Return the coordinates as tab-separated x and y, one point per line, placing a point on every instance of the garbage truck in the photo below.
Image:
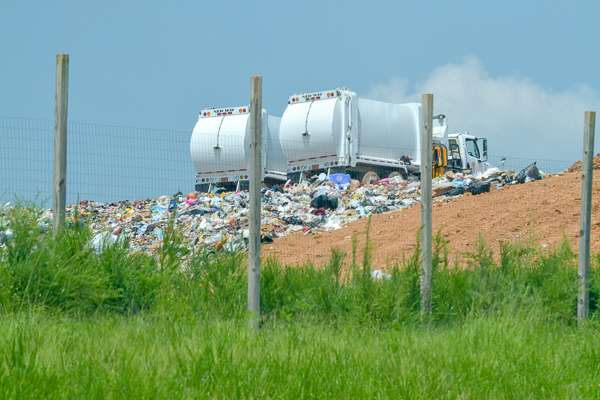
336	130
340	131
220	146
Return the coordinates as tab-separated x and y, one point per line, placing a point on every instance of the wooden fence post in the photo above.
255	200
59	188
426	200
583	298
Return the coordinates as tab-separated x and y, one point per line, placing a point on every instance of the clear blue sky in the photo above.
156	64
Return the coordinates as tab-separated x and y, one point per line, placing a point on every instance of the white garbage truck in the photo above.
336	130
220	146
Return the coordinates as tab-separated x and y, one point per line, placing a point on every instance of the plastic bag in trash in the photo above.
455	191
5	236
326	201
102	240
342	181
479	187
332	223
379	275
531	171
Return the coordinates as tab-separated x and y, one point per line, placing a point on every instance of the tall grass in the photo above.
81	323
141	357
64	273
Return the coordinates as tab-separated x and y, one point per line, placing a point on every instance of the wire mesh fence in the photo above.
519	163
122	166
104	163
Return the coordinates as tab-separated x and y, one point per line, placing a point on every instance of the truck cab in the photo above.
467	152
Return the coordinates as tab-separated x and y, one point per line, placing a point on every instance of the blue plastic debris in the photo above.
342	181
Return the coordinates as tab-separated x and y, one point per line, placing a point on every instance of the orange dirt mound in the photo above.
543	212
577	166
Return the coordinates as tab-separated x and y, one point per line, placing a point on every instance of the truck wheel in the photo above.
369	178
394	174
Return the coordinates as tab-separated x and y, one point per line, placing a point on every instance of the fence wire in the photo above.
111	164
104	163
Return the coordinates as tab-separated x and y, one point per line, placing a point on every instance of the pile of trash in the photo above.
219	220
455	184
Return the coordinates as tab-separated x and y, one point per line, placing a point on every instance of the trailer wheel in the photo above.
369	177
394	174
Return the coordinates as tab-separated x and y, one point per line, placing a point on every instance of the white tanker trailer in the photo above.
333	131
336	130
220	148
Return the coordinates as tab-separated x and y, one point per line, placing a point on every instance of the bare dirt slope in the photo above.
543	212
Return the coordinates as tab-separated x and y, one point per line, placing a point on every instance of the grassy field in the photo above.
79	324
148	357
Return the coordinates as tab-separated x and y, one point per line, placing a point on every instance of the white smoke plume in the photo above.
519	117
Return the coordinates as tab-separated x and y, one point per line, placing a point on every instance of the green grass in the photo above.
143	357
77	324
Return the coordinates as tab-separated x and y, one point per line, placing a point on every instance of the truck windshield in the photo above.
472	148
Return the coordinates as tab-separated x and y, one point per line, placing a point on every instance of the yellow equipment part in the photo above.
440	160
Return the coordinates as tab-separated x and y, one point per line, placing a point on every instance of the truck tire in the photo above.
394	174
369	177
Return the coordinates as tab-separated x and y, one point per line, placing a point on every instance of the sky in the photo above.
519	72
